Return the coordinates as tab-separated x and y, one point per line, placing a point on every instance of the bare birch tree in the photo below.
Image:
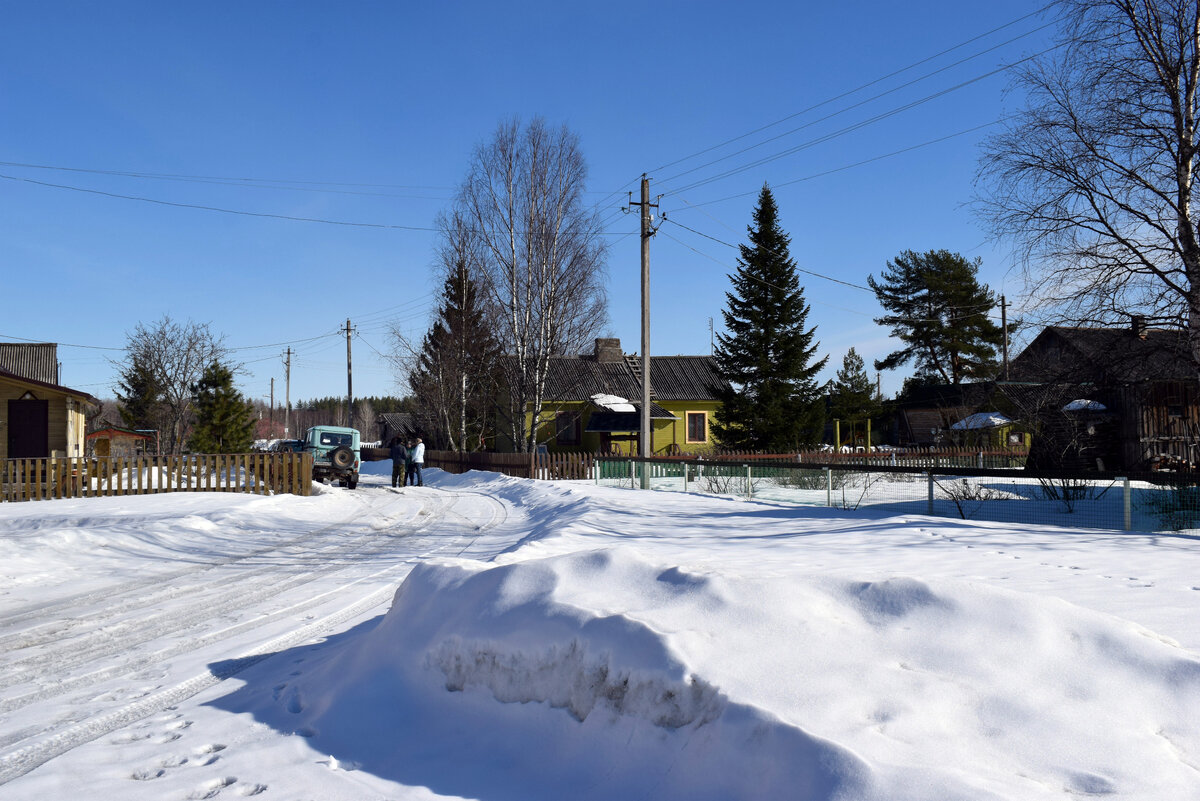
1094	178
538	253
172	357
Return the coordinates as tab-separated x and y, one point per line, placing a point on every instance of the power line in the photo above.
798	269
217	178
852	106
844	167
861	87
856	126
223	210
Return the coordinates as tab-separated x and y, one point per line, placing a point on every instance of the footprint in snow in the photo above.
211	789
247	790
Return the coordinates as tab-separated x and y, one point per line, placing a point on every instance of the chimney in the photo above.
608	350
1138	323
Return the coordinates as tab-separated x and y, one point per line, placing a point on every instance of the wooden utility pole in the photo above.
647	232
287	392
272	418
349	381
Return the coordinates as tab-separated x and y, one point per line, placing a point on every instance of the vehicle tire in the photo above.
341	457
352	481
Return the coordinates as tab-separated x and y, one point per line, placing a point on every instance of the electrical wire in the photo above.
857	89
857	125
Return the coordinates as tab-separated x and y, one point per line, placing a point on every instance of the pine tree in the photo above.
224	420
851	396
772	402
939	310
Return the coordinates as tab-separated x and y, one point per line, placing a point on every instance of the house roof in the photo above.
672	378
36	360
1105	355
20	379
123	432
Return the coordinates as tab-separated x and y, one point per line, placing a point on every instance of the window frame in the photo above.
687	422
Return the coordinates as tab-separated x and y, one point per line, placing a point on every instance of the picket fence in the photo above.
259	473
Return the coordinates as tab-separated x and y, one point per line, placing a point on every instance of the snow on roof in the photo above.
1085	405
981	420
613	403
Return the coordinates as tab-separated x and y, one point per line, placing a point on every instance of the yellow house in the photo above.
38	417
593	403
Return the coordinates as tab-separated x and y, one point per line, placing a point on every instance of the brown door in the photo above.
28	429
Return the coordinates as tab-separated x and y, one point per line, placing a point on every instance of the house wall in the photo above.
66	418
1162	420
668	436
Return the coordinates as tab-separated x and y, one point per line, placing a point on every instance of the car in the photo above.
335	452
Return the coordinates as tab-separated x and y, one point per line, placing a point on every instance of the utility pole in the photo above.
287	392
1004	325
272	418
647	232
712	346
349	381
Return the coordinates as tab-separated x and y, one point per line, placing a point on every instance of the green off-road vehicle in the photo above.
335	452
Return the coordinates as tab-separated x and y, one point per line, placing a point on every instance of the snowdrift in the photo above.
601	675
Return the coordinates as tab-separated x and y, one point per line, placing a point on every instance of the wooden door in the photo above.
28	429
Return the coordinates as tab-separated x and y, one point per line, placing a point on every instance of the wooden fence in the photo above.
548	466
260	473
579	466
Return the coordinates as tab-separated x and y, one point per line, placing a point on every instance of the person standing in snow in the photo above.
417	455
399	455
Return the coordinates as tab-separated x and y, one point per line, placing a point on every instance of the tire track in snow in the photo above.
72	733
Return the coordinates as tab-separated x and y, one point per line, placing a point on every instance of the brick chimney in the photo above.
1138	323
608	350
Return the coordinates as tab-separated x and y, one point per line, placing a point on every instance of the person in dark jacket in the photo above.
399	455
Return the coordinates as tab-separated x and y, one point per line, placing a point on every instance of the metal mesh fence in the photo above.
1151	502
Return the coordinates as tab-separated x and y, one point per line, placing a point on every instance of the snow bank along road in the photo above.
92	653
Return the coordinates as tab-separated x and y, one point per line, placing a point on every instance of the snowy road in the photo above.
94	660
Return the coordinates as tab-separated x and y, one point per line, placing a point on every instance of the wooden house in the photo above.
38	417
593	403
1109	398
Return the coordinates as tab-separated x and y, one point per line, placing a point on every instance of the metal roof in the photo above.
36	360
672	378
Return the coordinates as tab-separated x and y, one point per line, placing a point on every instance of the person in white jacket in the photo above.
416	455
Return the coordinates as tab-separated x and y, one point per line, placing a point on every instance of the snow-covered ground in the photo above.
496	639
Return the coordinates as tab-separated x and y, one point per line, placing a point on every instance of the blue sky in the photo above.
365	112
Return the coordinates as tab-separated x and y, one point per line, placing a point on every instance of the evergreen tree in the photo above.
851	396
939	310
454	374
773	401
224	420
141	397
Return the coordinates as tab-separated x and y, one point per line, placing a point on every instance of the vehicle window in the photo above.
328	438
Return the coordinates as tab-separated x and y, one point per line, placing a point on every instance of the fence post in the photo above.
829	487
1128	503
749	484
930	474
632	477
685	475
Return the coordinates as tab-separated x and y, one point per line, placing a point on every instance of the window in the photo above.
697	427
567	427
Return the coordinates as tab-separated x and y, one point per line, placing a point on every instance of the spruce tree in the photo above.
939	311
772	402
141	397
224	420
851	396
455	371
